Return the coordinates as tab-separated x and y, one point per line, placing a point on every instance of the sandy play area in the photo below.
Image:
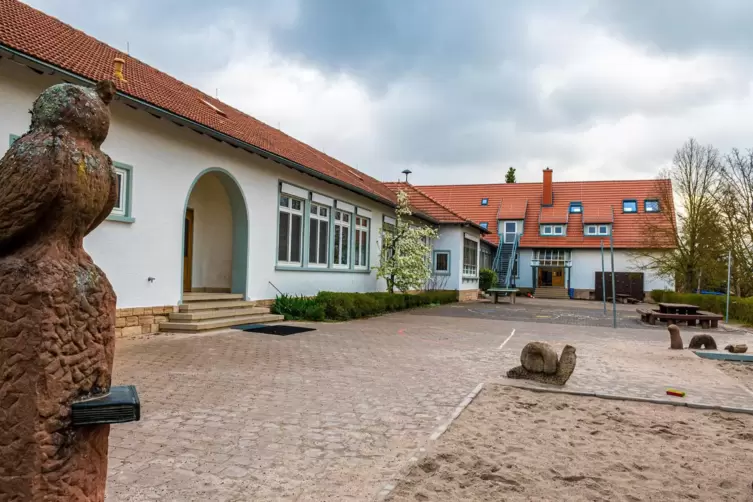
742	372
515	445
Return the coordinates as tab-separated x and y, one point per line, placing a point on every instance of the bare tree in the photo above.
695	228
736	210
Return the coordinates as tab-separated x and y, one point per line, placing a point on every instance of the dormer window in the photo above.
576	207
629	206
484	201
553	230
602	229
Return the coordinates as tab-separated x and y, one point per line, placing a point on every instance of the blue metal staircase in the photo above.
504	262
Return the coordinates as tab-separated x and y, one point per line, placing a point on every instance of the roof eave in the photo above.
16	54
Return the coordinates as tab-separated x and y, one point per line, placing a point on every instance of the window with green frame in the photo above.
123	209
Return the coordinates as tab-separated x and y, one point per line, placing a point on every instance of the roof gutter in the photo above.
14	54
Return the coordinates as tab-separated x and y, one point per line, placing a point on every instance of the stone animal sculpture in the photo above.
539	363
705	342
675	340
740	348
57	308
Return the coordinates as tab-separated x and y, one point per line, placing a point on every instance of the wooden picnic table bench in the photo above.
677	308
707	319
511	292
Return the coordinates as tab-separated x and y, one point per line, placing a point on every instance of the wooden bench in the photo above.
707	319
511	292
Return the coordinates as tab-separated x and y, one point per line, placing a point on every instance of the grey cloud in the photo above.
453	82
680	26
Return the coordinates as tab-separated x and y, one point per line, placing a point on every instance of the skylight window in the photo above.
576	207
484	225
484	202
629	206
651	206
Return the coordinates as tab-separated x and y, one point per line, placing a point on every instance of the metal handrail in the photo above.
511	261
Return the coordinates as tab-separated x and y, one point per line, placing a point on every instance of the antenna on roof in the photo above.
406	172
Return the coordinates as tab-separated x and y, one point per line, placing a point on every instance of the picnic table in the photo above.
511	292
680	312
678	308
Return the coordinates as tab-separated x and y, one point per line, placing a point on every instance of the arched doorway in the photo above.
215	235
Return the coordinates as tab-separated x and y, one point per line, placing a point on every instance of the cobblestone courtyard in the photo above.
334	414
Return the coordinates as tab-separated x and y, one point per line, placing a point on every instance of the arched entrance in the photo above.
215	235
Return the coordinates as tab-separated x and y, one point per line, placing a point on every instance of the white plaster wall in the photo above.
587	261
166	159
525	274
451	239
465	282
213	234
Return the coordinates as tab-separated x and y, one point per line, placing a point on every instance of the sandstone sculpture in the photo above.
539	363
705	342
675	340
57	308
739	348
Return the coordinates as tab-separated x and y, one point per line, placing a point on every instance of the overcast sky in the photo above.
459	90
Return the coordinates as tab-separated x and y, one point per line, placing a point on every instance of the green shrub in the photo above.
345	306
294	307
487	279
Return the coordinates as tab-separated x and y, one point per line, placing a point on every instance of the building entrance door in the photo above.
551	276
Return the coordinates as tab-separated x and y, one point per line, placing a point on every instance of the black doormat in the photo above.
275	329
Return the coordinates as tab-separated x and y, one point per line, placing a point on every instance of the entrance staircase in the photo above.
504	262
552	292
208	311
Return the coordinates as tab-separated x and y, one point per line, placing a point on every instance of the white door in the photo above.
511	230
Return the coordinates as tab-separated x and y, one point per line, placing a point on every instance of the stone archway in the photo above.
215	235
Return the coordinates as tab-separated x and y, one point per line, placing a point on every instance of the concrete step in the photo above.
200	315
553	293
202	297
214	305
224	322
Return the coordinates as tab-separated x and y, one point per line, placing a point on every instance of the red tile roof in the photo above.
425	204
553	214
512	209
42	37
597	198
599	214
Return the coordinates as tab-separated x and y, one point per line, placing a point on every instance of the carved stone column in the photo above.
57	308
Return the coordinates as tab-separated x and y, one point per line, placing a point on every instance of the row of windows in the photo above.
628	206
559	230
470	260
124	174
345	233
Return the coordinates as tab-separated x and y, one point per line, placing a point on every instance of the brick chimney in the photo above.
547	197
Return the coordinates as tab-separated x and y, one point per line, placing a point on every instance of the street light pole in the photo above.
729	274
603	279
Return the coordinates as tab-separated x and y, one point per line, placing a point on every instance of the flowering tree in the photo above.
405	250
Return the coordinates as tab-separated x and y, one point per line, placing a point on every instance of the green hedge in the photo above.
344	306
740	309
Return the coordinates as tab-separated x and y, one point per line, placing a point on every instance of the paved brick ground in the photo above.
333	414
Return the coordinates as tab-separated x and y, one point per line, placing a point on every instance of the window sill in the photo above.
284	268
470	278
121	219
443	274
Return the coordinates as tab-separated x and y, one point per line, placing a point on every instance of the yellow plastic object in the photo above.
675	392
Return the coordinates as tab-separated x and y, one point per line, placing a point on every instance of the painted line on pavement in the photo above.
506	340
